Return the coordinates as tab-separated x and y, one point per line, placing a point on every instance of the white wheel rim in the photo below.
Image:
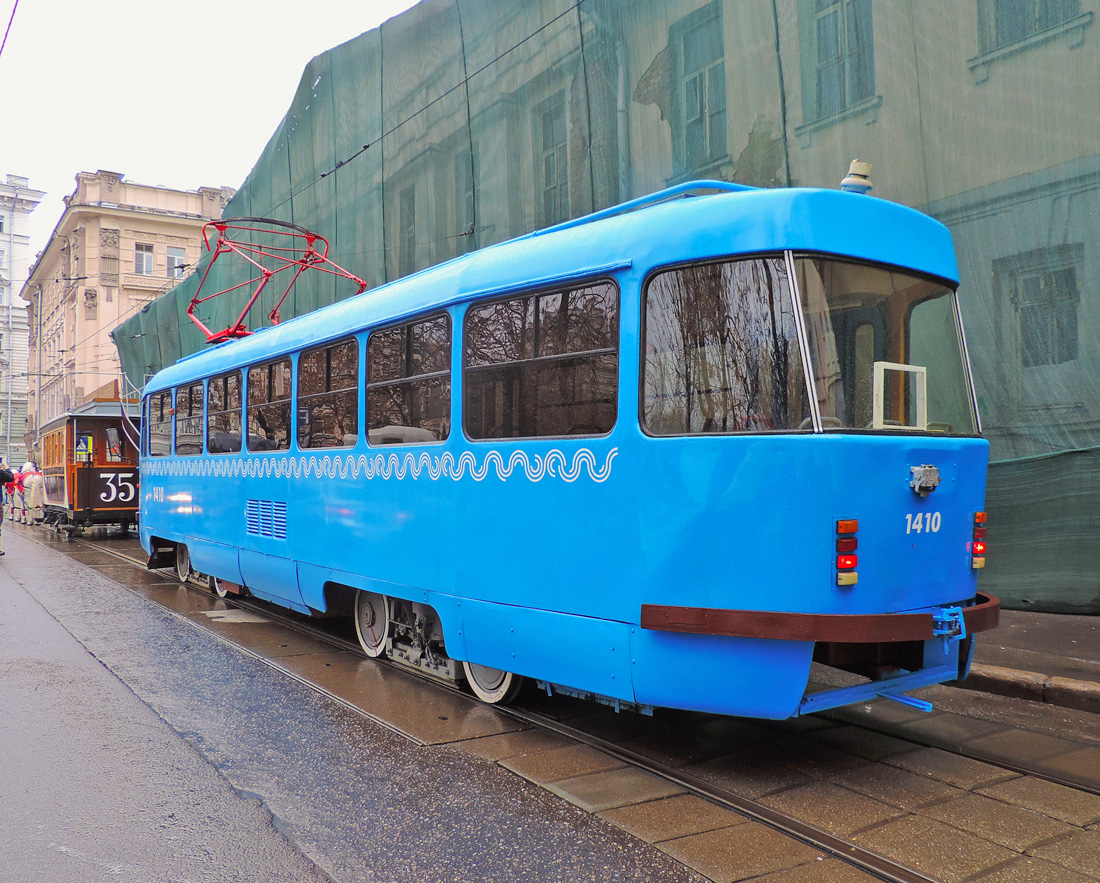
183	563
491	684
372	622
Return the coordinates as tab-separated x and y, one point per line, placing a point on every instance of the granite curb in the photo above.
1037	687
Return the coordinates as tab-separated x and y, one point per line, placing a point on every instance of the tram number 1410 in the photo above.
117	487
922	522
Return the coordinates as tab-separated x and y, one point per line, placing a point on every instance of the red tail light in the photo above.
977	543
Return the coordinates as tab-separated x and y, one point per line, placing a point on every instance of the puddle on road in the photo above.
233	616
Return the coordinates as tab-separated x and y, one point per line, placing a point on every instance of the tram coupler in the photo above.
948	624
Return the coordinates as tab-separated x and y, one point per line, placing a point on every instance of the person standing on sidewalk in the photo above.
7	478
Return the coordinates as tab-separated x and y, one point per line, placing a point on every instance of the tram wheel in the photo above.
183	562
491	685
372	622
217	588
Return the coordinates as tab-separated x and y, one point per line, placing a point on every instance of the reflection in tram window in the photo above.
160	424
409	383
189	419
721	350
543	365
223	414
328	396
269	406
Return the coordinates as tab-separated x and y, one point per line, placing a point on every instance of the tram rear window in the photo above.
189	419
885	348
328	396
721	350
409	383
223	414
543	365
269	406
160	424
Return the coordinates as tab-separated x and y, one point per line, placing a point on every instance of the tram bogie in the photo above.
671	456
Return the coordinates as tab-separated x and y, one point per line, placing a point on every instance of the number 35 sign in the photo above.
116	487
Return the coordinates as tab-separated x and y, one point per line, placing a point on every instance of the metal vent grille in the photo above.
266	518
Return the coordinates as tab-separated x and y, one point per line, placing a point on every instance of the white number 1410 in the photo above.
921	522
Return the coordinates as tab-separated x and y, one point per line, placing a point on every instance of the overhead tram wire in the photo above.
7	30
464	81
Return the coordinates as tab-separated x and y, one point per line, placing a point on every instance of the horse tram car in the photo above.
89	461
682	453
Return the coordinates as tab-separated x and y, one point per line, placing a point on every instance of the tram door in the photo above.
862	338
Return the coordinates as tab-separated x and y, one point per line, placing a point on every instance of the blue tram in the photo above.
713	449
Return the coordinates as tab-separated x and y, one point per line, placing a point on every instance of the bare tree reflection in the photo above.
543	365
722	350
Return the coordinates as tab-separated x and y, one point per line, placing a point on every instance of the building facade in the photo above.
117	247
17	201
488	120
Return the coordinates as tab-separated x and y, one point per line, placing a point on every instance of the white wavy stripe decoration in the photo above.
536	467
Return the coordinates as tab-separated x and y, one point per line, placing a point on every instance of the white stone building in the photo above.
17	201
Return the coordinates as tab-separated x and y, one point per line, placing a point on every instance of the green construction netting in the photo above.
462	123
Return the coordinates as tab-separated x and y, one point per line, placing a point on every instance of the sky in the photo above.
180	94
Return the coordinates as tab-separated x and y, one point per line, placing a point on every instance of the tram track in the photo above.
844	849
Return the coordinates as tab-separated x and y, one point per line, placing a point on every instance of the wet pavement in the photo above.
382	776
140	748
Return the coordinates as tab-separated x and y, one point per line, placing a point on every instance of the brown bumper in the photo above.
846	628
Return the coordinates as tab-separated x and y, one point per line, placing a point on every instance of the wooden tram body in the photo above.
90	467
671	454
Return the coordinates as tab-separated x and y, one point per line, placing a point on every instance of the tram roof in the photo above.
745	221
99	408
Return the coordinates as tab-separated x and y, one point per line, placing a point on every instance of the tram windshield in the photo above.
885	349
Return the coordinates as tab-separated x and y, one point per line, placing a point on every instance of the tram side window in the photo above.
409	383
328	396
542	365
189	419
160	424
721	350
269	406
223	414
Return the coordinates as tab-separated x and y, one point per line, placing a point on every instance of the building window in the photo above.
1003	23
189	419
1042	287
269	406
409	383
328	396
143	259
687	81
223	414
177	260
703	89
844	65
543	365
552	160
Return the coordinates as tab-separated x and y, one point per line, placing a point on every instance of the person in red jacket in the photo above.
7	478
15	496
